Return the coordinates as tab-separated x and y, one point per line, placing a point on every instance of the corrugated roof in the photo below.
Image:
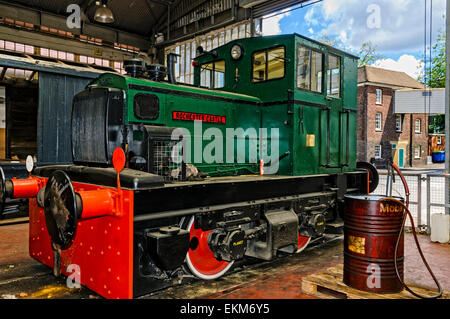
370	74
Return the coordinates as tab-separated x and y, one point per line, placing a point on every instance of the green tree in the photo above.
437	124
368	54
325	39
434	77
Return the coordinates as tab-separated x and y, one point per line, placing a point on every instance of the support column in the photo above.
447	112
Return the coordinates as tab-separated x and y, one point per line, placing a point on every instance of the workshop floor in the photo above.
22	277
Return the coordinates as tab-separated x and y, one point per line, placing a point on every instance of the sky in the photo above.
395	27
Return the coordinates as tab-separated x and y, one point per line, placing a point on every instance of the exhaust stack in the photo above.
171	60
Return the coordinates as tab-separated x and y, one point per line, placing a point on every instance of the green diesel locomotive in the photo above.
253	160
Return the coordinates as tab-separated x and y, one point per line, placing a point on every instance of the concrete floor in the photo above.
22	277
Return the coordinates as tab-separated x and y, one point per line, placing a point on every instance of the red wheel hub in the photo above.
200	259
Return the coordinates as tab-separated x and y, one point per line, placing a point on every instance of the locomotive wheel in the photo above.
200	259
303	242
2	192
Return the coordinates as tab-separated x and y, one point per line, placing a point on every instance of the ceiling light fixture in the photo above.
103	14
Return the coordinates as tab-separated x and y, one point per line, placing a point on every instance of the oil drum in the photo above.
371	229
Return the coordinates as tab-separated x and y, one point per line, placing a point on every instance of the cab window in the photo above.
334	75
212	75
268	64
309	69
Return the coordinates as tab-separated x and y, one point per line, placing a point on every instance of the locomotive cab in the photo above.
305	89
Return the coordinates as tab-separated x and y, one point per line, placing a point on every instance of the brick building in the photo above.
382	134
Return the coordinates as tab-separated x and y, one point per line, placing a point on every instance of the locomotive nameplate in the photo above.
208	118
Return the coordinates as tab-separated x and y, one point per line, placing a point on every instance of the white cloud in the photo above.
309	17
271	26
343	36
331	7
393	26
406	63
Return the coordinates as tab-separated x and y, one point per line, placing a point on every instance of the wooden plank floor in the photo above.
329	284
13	221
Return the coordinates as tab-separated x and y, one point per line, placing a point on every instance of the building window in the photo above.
417	150
379	96
269	64
309	69
377	151
418	126
398	123
378	121
183	66
333	75
439	140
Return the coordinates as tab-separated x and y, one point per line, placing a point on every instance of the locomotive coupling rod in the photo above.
256	232
318	207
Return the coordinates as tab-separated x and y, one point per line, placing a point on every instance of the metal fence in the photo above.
427	196
436	188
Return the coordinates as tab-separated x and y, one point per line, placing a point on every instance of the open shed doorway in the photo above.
19	102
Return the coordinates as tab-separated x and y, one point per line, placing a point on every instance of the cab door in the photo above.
308	110
333	121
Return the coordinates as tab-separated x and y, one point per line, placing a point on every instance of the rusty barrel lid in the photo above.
371	197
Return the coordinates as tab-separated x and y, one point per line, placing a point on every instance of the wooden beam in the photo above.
163	3
2	76
163	20
85	4
32	76
14	221
151	10
62	44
